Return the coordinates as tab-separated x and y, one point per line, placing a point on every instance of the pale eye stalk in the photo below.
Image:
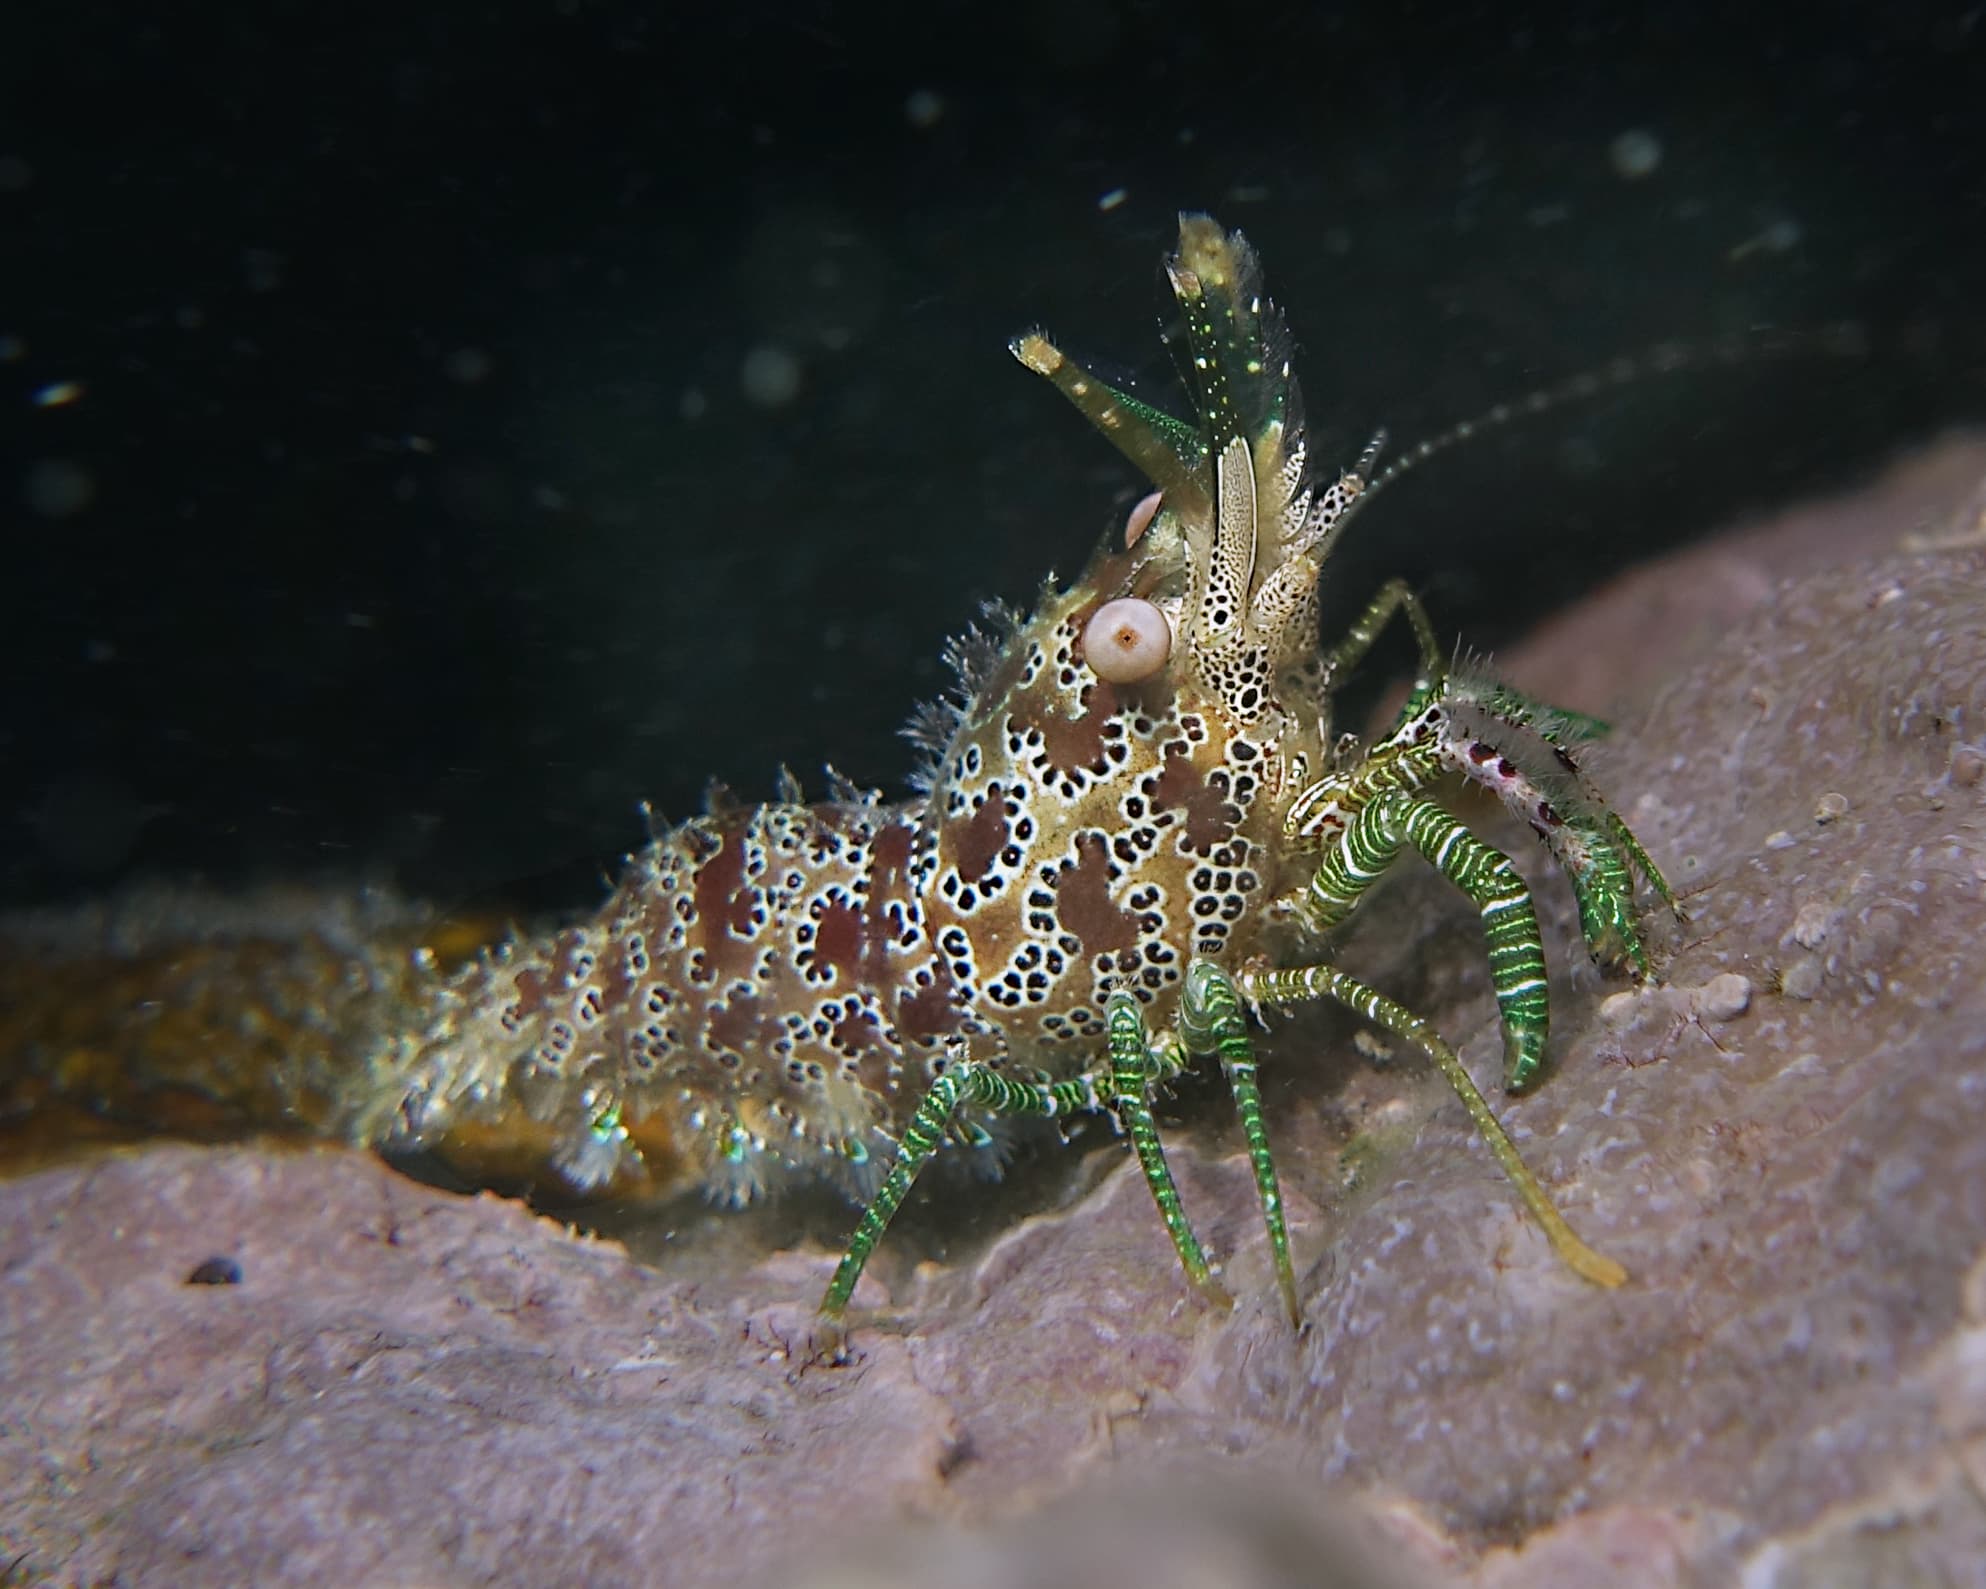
1140	518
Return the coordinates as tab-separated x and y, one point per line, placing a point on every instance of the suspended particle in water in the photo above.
1780	235
58	488
770	376
262	269
467	366
1635	154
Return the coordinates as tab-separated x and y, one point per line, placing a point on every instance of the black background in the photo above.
429	527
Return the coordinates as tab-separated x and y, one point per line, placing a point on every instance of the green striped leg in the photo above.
1560	725
1135	1065
1212	1020
1590	843
1396	595
1644	863
1604	887
1629	857
1372	842
1326	982
968	1084
1597	850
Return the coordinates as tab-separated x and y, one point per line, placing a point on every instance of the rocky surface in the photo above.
1785	1144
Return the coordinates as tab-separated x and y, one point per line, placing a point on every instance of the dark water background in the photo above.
493	416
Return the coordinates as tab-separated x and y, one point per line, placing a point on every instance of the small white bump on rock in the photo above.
1812	923
1617	1009
1724	997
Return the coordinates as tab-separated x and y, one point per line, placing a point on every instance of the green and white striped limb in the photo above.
1214	1020
1306	983
1123	1084
968	1084
1396	595
1136	1064
1372	841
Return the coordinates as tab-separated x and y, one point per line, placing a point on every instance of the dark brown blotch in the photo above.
926	1013
1183	787
839	931
975	842
1083	905
725	902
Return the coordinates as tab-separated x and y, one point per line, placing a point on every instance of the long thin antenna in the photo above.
1845	340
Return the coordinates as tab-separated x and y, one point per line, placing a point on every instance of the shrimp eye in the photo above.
1127	640
1140	519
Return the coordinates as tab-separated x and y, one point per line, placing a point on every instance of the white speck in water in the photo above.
1781	235
1635	154
1113	198
1579	459
468	366
924	109
58	488
262	269
770	376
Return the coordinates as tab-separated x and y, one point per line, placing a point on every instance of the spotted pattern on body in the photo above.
772	989
1109	863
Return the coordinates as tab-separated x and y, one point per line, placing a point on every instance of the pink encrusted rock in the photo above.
1799	1189
408	1386
1624	639
405	1387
